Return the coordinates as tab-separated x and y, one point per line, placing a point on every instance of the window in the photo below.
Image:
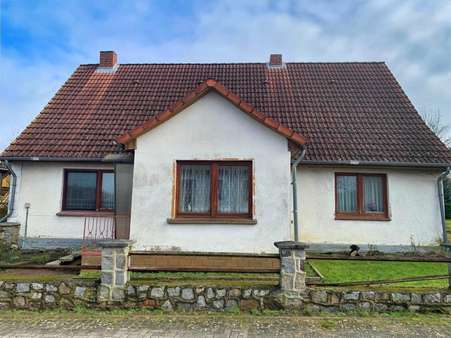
219	189
88	190
361	196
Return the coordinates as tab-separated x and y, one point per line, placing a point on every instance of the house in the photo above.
202	157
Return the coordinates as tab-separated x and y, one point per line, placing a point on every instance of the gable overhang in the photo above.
128	139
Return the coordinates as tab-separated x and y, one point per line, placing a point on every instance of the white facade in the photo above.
213	129
41	185
412	200
210	129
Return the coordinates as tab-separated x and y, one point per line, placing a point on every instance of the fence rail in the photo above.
418	259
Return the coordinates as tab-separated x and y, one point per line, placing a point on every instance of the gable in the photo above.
203	89
211	128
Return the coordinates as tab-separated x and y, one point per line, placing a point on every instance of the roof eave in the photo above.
355	163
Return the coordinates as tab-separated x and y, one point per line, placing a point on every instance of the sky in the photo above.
43	41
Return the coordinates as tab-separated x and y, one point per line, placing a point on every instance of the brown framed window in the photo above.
216	189
361	196
91	190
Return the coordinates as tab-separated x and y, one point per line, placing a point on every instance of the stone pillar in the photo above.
115	273
292	274
9	234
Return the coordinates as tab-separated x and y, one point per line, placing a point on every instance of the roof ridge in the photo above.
239	63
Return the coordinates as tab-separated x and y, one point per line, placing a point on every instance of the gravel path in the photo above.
131	325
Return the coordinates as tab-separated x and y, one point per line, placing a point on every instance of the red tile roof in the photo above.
346	111
195	95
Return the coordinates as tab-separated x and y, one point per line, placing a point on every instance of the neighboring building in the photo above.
198	157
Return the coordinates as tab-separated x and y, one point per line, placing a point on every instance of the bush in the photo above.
448	211
3	210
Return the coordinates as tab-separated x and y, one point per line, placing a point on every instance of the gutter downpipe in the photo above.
295	195
12	192
441	200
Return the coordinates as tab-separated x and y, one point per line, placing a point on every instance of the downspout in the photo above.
441	201
295	194
12	192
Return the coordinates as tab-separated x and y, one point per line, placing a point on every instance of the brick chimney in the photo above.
275	60
108	59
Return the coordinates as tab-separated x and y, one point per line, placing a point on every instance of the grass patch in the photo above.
37	277
16	256
205	278
352	271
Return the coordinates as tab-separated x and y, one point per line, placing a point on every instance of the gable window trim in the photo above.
98	210
360	213
213	215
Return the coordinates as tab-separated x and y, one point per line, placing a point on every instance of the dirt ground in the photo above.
27	324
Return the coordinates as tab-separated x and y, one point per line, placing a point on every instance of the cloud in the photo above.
46	40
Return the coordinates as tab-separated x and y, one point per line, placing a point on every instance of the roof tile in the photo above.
346	111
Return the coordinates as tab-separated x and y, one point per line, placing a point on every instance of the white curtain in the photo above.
347	193
195	188
373	200
233	189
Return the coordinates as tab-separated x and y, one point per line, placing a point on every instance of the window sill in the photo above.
187	220
80	213
362	218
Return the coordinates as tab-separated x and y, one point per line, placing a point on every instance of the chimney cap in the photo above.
107	61
275	60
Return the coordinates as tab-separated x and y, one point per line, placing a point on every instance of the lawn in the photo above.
351	271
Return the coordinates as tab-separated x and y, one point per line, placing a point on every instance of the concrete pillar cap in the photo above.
291	245
115	243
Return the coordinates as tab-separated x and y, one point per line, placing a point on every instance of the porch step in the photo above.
66	259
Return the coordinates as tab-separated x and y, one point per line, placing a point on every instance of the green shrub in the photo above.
448	210
3	210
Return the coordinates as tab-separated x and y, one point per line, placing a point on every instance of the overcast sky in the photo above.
42	42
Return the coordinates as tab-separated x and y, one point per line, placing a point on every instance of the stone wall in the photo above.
68	294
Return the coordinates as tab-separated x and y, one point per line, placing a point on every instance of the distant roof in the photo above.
347	111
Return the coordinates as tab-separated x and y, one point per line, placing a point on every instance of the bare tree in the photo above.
435	122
